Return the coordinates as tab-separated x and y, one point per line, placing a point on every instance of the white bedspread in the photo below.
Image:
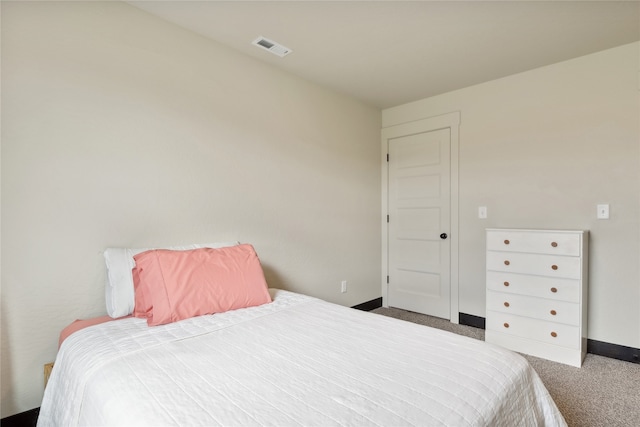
296	361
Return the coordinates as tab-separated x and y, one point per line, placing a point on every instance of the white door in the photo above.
419	194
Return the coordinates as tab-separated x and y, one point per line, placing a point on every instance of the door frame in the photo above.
451	121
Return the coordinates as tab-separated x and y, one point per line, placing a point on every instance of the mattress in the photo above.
298	361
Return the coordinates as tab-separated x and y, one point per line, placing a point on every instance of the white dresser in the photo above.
537	292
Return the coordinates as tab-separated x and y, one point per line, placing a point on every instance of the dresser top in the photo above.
537	230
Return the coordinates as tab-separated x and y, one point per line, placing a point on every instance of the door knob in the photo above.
443	236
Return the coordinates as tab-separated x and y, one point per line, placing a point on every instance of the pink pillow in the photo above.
142	300
177	285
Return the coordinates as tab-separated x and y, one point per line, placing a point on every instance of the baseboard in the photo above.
471	320
599	348
614	351
23	419
369	305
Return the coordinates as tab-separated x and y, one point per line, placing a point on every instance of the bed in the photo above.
295	361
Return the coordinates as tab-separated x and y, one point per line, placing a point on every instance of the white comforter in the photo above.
296	361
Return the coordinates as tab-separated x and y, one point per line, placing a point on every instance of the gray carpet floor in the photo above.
604	392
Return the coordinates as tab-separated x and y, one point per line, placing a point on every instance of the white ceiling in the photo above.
387	53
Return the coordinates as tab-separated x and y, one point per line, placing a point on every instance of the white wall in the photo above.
120	129
541	149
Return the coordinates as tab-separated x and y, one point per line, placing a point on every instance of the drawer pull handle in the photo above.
506	283
553	334
506	242
506	262
506	325
553	312
554	290
554	267
506	304
554	244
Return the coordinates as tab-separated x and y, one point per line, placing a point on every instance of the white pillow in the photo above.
119	288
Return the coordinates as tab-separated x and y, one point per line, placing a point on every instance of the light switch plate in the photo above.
482	212
603	211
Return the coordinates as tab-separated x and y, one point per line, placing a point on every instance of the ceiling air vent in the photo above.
271	46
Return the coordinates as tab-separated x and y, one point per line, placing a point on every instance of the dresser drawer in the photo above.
538	286
534	242
542	265
539	308
534	329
